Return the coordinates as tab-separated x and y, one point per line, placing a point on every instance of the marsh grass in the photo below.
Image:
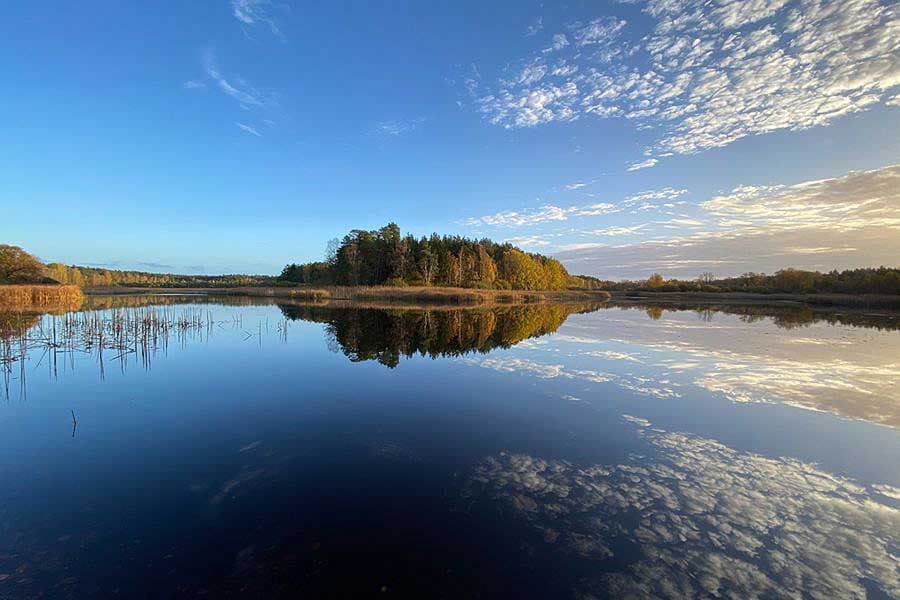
40	297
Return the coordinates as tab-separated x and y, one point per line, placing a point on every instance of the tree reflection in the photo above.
385	335
784	317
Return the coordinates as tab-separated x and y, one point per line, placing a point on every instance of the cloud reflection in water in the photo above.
839	368
709	520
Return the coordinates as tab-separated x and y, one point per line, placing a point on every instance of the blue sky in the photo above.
677	136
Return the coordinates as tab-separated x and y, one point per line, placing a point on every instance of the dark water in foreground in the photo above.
539	451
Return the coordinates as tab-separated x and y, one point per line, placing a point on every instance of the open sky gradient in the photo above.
629	137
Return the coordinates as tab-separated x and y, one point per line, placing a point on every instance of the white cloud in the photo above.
559	42
397	127
511	218
581	246
616	231
248	129
194	84
845	222
711	73
550	212
860	200
535	27
528	241
603	31
644	164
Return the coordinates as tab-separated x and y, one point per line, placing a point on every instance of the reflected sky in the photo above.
708	520
849	370
250	448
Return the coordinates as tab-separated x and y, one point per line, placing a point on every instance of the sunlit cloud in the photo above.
765	228
528	241
644	164
709	73
514	218
550	212
617	231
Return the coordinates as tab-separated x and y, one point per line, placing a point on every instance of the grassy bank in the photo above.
39	297
403	295
863	301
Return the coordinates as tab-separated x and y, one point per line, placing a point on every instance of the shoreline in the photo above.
859	301
412	296
408	295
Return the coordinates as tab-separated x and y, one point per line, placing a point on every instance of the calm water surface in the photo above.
228	449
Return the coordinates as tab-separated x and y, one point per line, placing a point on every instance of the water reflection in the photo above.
840	362
706	520
843	363
782	316
386	335
502	468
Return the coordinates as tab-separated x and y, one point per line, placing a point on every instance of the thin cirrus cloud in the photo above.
248	129
240	91
397	127
253	13
236	88
709	73
839	223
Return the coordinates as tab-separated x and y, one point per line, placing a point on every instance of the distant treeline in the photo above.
385	257
94	277
881	280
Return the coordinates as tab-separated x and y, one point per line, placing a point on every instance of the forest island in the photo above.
385	264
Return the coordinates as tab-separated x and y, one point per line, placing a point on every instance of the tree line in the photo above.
95	277
880	280
19	266
385	257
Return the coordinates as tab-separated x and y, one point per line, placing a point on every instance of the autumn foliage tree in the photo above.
18	266
386	257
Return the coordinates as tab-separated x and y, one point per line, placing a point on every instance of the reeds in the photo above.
112	337
389	294
43	297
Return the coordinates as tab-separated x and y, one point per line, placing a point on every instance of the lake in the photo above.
177	446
